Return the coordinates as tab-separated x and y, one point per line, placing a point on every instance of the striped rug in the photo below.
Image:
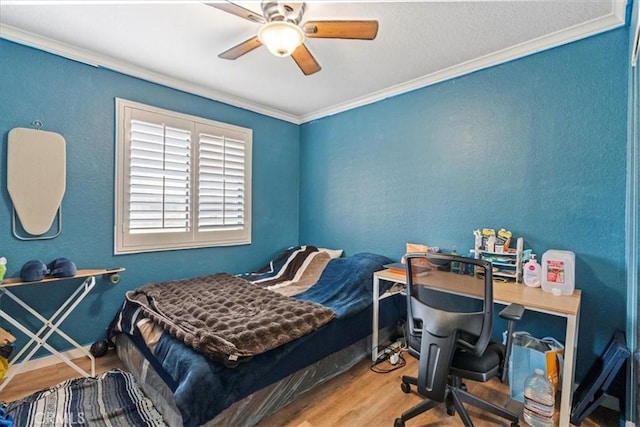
109	399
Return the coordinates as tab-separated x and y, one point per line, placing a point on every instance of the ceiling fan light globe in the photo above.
280	37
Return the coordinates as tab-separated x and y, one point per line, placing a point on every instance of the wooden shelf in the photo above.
16	281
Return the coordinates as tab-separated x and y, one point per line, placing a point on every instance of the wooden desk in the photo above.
534	299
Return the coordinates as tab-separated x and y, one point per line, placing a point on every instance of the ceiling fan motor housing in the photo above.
274	11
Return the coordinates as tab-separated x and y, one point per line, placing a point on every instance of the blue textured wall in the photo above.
537	146
77	101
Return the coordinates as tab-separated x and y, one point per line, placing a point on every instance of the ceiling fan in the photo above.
283	35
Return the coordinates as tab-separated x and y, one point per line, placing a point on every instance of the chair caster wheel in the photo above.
515	425
451	411
406	388
398	423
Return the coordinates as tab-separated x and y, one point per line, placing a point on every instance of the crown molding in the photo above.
102	61
586	29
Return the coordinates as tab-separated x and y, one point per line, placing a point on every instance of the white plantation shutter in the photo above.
221	183
159	178
182	181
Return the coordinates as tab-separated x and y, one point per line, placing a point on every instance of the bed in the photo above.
237	378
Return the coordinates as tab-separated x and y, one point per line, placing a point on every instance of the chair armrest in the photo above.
512	312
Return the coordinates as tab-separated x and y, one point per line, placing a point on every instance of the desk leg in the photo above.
374	333
568	371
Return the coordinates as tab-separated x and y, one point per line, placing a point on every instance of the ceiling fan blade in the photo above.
237	10
238	50
363	30
305	60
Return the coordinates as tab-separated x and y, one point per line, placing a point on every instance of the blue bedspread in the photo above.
205	387
345	285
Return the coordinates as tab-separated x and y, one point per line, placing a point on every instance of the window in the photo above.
181	181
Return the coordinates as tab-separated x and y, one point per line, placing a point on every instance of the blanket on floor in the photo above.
227	318
109	399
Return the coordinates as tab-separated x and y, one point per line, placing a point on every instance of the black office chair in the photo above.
450	336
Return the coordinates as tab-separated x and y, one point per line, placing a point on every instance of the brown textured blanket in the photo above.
227	318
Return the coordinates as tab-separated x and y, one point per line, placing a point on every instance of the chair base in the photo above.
455	396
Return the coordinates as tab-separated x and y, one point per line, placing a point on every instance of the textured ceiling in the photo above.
418	43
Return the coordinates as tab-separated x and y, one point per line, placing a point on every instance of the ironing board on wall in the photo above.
36	180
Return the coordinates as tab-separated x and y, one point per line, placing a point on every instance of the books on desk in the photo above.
396	268
400	268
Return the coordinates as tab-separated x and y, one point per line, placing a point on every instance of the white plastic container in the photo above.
558	272
539	400
531	272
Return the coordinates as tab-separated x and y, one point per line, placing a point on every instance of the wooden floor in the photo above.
25	384
365	398
359	397
362	397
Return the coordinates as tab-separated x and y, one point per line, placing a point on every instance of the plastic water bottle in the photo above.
455	265
539	400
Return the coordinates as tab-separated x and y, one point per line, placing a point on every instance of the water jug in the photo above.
558	272
539	400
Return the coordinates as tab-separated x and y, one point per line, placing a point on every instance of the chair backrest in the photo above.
438	326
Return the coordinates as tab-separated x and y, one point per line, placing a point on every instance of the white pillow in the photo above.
333	253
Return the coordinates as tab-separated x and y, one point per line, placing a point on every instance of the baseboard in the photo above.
43	362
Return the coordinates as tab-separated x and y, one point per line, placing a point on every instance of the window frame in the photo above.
126	242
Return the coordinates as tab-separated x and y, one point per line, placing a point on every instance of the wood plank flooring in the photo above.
26	383
359	397
364	398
